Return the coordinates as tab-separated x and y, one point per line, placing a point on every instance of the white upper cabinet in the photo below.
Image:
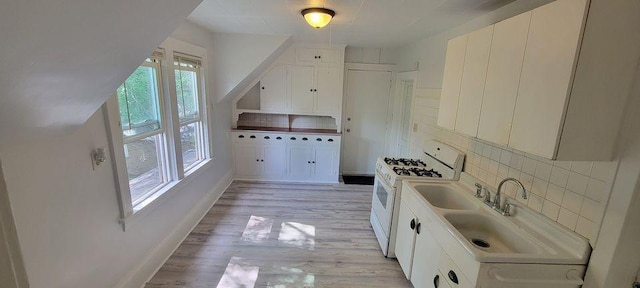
473	79
547	75
302	89
318	56
273	90
454	65
329	91
503	77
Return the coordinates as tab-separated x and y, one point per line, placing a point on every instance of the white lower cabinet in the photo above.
287	157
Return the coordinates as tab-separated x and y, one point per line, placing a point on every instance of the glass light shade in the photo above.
318	17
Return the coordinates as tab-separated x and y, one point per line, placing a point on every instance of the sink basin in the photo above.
490	235
445	197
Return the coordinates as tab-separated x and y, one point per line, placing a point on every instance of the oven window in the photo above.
382	195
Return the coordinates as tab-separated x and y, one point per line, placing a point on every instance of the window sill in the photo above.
145	208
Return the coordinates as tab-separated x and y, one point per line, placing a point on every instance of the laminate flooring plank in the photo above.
265	234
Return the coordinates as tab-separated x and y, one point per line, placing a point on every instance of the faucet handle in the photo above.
507	209
478	190
487	195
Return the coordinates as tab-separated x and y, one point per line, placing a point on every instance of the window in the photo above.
143	134
187	77
158	126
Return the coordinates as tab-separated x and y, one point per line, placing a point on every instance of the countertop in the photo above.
287	130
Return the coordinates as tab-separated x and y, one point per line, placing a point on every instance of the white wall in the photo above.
240	58
430	52
66	214
69	55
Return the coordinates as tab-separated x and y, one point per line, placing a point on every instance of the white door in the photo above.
275	158
405	238
302	88
474	74
299	161
405	118
503	78
329	94
365	120
425	266
453	67
325	159
273	90
247	160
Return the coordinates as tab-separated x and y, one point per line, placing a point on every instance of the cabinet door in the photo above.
503	78
425	266
325	159
307	55
275	158
273	90
405	238
328	56
473	78
453	67
302	89
329	94
547	73
247	159
299	158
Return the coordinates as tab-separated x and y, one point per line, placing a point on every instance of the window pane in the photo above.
139	102
187	93
191	138
144	160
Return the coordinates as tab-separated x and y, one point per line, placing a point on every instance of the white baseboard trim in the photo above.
150	266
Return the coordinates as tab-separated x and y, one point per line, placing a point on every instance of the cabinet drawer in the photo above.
246	137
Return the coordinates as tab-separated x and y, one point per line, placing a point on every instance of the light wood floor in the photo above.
283	235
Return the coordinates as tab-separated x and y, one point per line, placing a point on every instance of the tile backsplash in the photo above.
572	193
286	121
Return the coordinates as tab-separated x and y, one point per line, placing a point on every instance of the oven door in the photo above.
382	203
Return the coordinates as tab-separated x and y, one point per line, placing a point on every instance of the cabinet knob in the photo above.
309	162
310	90
305	139
267	137
412	224
319	57
261	160
315	90
292	138
313	162
257	160
319	139
240	136
453	277
262	87
436	281
418	227
252	136
330	140
315	57
278	138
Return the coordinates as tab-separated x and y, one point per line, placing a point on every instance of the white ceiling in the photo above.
364	23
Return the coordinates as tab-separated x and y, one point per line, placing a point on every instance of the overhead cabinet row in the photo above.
511	83
313	86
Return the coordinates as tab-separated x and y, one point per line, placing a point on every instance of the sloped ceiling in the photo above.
61	59
363	23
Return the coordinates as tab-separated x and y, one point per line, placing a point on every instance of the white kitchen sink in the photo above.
469	226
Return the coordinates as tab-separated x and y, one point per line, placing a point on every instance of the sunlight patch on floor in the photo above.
298	235
293	277
238	275
257	229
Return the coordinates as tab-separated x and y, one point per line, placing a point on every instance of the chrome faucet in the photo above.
496	199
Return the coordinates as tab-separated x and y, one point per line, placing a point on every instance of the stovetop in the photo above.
417	172
405	162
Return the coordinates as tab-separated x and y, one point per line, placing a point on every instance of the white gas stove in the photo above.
439	163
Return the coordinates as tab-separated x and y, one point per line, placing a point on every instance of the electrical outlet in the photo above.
415	127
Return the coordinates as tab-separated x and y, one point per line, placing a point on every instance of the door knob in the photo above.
349	119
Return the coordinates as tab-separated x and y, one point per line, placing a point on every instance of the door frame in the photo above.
368	67
9	244
396	125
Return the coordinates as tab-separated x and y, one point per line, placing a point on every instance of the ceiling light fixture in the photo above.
318	17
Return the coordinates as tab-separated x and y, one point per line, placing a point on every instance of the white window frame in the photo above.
176	175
